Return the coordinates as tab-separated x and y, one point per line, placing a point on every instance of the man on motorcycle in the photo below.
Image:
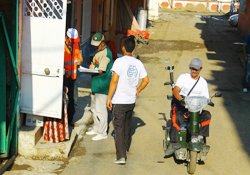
188	84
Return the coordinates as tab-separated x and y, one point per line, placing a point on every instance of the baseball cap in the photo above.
195	63
72	33
97	39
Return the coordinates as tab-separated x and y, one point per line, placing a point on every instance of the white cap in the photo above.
72	33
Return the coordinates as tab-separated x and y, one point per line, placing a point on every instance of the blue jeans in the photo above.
247	72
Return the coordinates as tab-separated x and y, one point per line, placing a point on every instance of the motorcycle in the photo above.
191	150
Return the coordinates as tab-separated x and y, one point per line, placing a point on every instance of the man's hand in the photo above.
112	88
176	94
143	84
66	89
109	104
78	62
246	59
182	101
92	66
99	71
186	115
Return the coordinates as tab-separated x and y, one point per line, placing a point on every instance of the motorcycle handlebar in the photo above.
168	83
169	68
211	104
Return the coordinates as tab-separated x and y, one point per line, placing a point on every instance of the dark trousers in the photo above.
72	96
178	118
247	72
122	121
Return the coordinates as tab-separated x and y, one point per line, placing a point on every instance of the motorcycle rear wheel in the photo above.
192	162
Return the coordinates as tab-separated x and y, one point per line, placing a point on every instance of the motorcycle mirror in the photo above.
218	94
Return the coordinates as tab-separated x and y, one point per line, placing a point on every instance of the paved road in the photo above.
178	37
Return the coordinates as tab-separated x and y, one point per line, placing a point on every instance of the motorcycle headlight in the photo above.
194	140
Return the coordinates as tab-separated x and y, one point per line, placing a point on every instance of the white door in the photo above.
42	57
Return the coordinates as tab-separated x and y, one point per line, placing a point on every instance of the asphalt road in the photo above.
177	38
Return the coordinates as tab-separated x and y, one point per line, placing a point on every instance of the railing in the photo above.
8	125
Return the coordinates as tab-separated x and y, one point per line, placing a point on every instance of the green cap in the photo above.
97	39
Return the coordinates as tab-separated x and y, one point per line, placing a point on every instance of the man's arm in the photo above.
103	65
112	88
176	94
80	60
143	84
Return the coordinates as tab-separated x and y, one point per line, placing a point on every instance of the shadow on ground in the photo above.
222	39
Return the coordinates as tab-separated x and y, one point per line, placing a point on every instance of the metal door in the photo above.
42	57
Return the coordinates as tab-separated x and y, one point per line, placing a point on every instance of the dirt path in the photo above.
178	37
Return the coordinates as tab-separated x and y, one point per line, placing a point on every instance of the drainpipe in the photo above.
73	13
7	164
20	15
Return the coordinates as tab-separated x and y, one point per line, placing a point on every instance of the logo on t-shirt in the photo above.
132	75
132	71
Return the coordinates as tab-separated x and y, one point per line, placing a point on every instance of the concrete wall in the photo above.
152	10
214	6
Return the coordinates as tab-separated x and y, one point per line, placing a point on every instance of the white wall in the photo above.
153	9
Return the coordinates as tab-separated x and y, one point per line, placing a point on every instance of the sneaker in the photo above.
171	148
205	149
121	161
244	89
92	132
73	124
99	137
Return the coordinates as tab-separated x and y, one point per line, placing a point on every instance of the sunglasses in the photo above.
194	69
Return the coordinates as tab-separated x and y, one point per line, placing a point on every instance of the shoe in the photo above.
90	133
121	161
73	124
205	149
171	148
245	90
99	137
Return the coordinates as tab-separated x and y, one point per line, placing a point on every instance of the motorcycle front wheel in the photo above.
167	139
192	162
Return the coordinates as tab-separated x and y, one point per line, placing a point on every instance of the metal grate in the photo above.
52	9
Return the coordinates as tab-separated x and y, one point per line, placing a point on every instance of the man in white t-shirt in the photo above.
183	88
123	91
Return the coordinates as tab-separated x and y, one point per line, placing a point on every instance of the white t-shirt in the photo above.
185	83
130	70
